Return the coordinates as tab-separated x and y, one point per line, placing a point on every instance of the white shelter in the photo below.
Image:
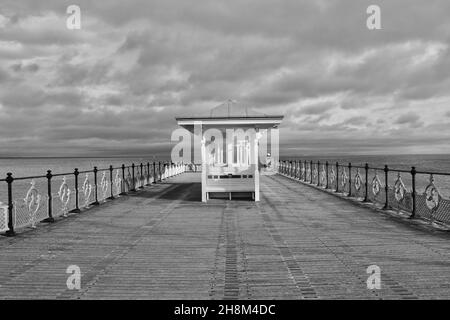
228	140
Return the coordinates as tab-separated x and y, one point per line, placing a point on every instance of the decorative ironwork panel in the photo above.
128	180
431	205
86	191
323	176
376	192
30	210
117	183
104	186
343	180
64	195
332	178
3	217
303	172
359	187
315	172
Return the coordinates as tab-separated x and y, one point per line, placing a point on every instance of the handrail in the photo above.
354	181
107	183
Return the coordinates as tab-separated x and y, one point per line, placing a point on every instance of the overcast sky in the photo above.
115	86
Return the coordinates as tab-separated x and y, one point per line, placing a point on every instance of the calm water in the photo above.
38	166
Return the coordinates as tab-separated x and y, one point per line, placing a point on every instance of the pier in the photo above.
159	241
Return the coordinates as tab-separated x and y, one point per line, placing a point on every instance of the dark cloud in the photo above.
116	85
410	119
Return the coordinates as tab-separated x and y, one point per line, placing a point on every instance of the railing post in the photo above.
77	192
386	187
414	208
159	172
122	186
10	232
337	176
133	182
311	172
297	169
366	192
349	179
111	181
96	203
154	172
326	168
318	173
148	174
49	198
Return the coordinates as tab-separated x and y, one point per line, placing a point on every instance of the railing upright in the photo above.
133	182
159	172
9	180
413	176
77	192
337	176
49	198
326	168
304	173
311	172
154	172
96	203
349	179
148	173
386	187
366	183
141	177
111	181
318	173
122	187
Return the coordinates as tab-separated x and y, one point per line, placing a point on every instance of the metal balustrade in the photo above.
57	195
409	191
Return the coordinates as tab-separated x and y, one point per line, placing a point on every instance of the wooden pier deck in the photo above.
162	243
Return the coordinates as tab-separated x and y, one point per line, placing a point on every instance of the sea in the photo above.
24	167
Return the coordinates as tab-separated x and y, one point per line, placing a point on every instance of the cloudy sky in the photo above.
115	86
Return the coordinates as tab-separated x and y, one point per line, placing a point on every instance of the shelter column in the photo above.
203	152
256	164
